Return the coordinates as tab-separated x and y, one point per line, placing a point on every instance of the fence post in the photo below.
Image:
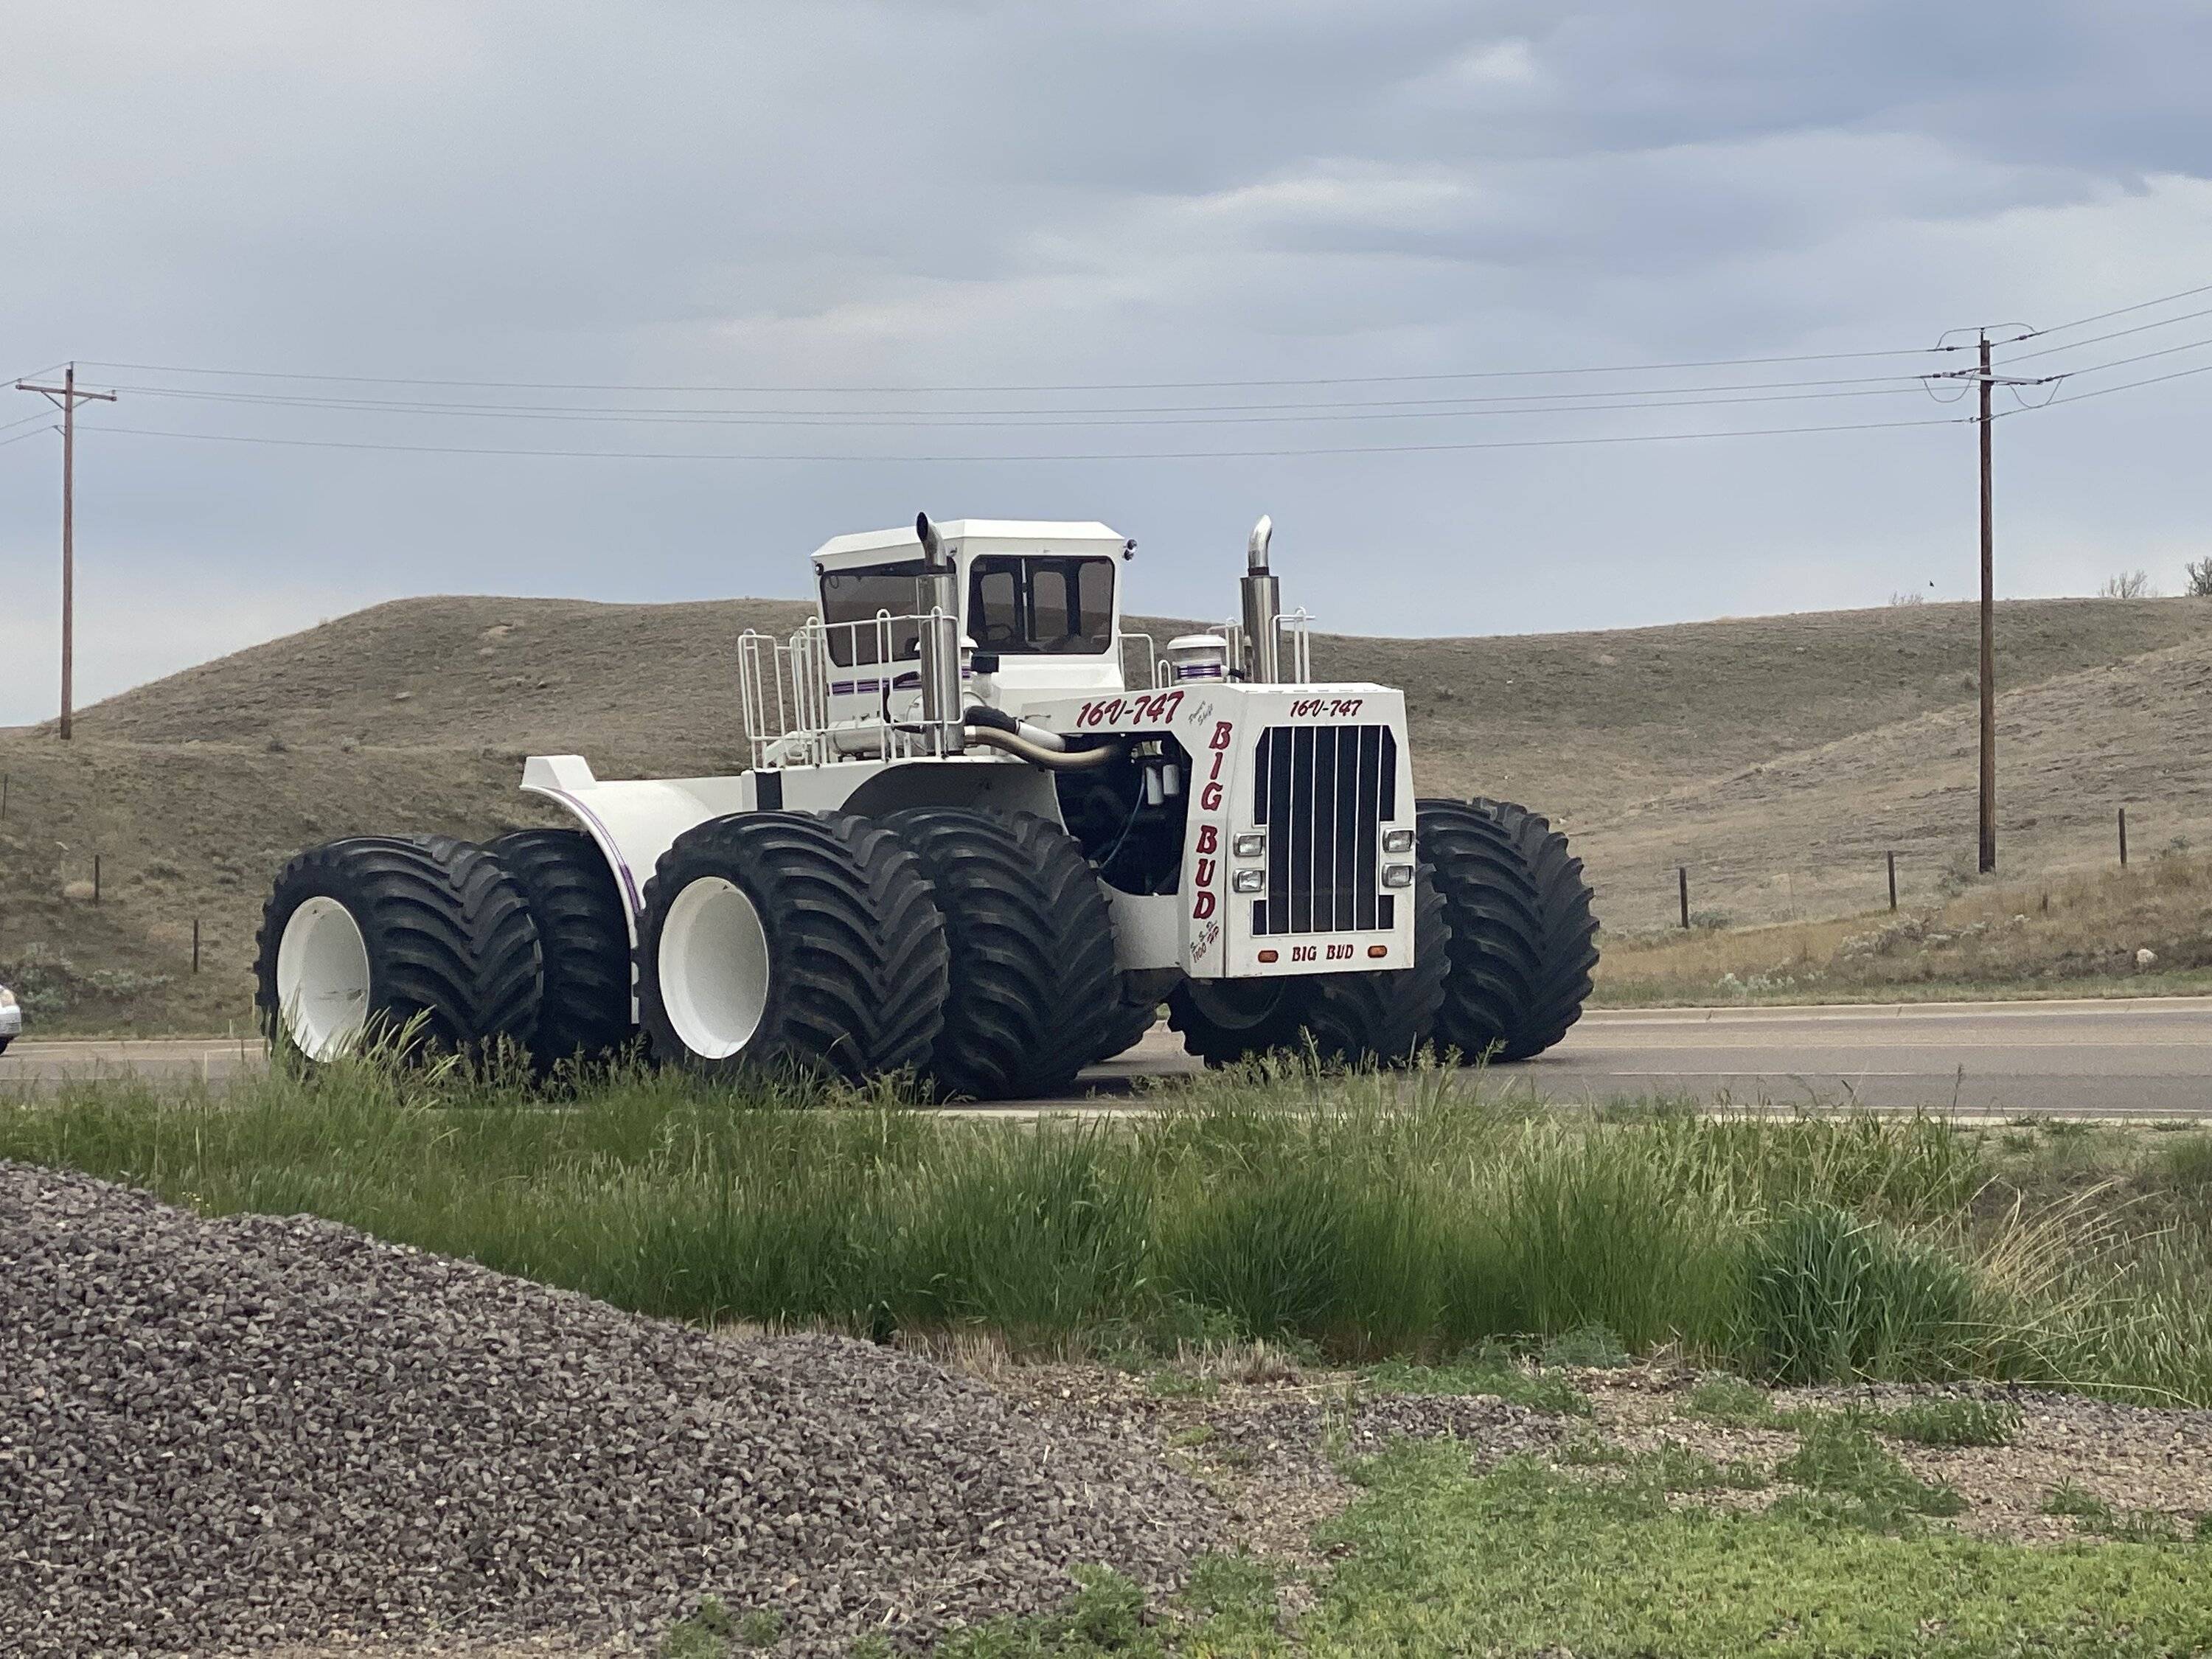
1893	880
1682	876
4	797
95	878
2123	838
196	945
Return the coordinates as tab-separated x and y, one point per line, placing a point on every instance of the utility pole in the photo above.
1986	380
65	397
1988	819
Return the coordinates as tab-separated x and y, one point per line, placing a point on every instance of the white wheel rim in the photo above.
322	979
714	968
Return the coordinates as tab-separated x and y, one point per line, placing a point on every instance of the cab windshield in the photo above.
1022	605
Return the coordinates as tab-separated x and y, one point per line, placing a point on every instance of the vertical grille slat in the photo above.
1301	826
1364	847
1321	793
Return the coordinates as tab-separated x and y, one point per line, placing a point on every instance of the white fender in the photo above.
632	823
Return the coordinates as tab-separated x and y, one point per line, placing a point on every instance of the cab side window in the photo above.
857	598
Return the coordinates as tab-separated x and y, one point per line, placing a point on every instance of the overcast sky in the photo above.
824	196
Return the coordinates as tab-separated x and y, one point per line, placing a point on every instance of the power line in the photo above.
19	437
426	405
1100	385
962	421
1123	455
2124	386
2122	362
2122	311
2116	334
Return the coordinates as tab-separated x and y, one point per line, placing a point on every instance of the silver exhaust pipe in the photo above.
1263	609
941	640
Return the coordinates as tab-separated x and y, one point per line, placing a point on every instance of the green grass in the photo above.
1360	1219
1624	1563
1948	1422
1483	1374
1523	1561
1731	1401
1849	1476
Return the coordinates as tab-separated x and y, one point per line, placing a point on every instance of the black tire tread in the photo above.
1523	939
858	956
583	930
1031	943
450	937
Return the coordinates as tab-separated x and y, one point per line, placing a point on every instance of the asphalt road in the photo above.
2146	1058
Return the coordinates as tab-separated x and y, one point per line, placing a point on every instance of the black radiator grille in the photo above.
1321	793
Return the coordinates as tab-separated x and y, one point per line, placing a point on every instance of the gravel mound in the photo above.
217	1436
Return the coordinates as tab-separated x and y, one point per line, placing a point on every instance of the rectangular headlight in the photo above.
1397	875
1252	844
1397	841
1248	881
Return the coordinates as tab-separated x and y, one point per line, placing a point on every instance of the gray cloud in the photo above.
827	194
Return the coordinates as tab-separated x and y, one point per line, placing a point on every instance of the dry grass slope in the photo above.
1777	756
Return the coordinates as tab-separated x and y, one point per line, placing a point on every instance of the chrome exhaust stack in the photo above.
941	640
1263	609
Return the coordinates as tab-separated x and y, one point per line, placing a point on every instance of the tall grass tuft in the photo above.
1829	1296
1371	1217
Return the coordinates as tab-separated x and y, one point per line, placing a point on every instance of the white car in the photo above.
11	1019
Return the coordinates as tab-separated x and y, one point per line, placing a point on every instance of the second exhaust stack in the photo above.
1263	608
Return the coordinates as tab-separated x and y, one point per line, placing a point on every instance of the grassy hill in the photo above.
1778	757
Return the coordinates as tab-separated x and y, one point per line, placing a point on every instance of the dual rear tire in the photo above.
420	943
969	949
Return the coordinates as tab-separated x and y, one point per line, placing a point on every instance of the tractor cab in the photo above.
1038	610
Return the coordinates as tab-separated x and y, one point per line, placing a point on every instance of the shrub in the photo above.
2127	584
2196	578
1829	1298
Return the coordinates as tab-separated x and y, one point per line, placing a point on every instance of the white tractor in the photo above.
974	846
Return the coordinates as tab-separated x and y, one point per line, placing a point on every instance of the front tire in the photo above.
583	928
1522	937
1031	947
1354	1019
378	937
791	942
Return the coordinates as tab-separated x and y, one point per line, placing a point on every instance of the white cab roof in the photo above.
1041	534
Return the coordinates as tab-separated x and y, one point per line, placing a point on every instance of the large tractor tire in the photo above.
381	938
583	929
1356	1019
1522	937
1033	978
791	943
